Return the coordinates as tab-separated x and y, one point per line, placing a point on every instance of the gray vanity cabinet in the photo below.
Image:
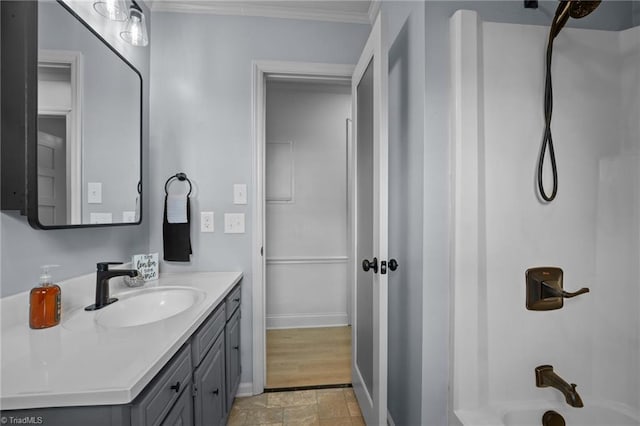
216	355
209	396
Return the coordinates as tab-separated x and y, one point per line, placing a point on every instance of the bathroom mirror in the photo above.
72	114
89	125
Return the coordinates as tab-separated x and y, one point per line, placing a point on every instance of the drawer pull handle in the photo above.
237	299
175	387
215	392
236	347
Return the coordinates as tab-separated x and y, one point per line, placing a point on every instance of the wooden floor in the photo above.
299	357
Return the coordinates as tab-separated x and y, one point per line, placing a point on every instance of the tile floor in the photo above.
334	407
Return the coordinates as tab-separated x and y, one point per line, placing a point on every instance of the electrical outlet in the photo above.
234	223
128	216
206	221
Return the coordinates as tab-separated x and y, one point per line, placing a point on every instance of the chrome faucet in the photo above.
545	377
103	275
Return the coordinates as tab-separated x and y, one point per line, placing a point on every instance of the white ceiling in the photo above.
352	11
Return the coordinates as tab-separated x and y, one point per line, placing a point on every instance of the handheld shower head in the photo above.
580	9
567	8
571	8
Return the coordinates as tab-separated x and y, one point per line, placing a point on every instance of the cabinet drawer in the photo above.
182	412
205	336
157	400
233	301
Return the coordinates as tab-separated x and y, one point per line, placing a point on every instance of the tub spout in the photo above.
545	377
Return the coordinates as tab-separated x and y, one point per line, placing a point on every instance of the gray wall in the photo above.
612	15
201	122
24	249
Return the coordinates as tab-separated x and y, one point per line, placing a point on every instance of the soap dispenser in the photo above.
44	302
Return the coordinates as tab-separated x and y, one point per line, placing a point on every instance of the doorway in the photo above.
273	71
308	336
370	390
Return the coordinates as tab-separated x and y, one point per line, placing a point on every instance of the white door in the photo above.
52	179
369	91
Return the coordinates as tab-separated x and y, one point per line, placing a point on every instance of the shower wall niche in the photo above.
501	228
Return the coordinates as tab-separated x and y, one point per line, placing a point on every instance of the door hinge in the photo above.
261	251
194	392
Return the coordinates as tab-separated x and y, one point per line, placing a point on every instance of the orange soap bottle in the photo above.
44	302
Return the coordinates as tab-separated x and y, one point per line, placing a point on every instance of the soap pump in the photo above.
45	301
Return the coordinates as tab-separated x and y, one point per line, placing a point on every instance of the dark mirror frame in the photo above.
19	95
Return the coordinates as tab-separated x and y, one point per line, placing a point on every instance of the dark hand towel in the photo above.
176	237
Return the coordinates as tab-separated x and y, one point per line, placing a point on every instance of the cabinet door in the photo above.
232	346
182	412
209	401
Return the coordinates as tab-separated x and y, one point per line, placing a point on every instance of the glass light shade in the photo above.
116	10
135	32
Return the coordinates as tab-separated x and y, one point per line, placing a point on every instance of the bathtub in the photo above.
530	414
590	414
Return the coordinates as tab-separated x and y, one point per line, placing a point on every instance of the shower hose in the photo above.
547	142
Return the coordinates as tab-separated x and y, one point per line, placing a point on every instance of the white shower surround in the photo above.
500	228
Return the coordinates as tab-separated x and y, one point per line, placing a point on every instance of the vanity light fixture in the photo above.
135	31
116	10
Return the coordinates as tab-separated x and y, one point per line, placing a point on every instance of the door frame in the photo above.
73	143
283	70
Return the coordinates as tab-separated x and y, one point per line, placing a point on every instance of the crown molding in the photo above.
252	8
374	7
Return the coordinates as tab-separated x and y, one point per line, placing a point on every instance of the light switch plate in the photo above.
94	193
206	222
234	223
240	193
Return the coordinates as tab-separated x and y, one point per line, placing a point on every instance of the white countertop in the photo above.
80	362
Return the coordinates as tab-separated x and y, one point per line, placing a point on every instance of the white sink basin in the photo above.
148	305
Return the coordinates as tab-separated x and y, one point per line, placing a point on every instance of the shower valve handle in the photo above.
554	292
545	290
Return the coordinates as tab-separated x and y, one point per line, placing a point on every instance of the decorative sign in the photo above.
147	265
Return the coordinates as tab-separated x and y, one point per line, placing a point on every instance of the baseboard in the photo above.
245	389
333	319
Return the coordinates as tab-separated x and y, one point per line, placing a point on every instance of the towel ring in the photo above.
181	177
